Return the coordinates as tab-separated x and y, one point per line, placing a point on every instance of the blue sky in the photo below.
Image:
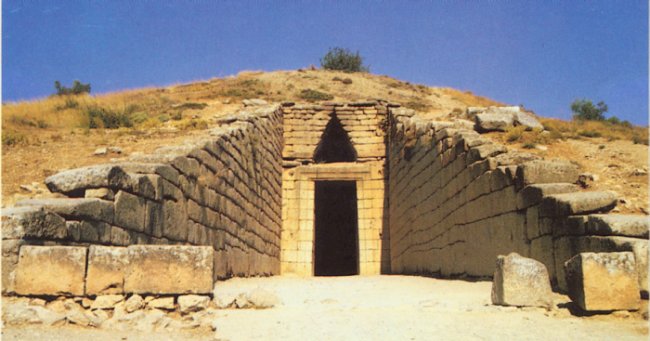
542	54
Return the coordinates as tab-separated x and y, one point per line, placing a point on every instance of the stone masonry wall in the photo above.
223	191
457	200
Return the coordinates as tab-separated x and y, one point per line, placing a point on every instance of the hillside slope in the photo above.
44	136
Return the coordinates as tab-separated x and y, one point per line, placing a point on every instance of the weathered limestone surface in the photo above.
494	121
502	118
51	270
620	225
106	267
164	269
86	177
82	208
30	222
543	171
578	203
520	281
603	281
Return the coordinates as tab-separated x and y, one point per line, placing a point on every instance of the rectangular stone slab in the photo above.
106	267
51	270
169	269
603	281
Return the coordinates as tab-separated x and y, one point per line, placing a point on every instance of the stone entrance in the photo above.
336	236
333	190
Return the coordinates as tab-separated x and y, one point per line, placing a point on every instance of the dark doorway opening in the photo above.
336	244
335	144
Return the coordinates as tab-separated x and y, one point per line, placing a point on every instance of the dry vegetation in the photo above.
43	136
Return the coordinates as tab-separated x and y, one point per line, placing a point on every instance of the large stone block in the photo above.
533	194
32	222
166	269
497	121
174	224
130	211
106	267
557	205
620	225
76	180
51	270
538	172
75	208
520	281
603	281
10	248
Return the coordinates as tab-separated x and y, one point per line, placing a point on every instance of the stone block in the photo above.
10	248
603	281
51	270
77	180
32	222
558	205
100	193
569	226
121	237
533	194
130	211
494	121
106	267
89	231
520	281
539	172
162	269
619	225
527	120
153	222
75	208
174	224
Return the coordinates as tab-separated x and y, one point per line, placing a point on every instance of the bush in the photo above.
614	120
343	60
589	133
514	134
69	103
636	139
585	110
99	117
12	138
314	95
76	89
191	105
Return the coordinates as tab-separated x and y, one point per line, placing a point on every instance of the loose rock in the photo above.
166	303
106	301
133	303
192	303
520	281
262	299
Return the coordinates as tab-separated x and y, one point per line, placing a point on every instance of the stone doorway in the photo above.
336	238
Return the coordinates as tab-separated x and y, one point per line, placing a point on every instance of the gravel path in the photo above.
376	308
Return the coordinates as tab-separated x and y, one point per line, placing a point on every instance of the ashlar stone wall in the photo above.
457	200
222	190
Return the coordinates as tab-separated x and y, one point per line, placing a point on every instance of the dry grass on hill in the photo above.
44	136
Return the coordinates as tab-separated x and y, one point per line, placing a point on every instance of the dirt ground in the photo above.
378	308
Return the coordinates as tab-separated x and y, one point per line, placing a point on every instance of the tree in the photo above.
341	59
77	88
584	109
